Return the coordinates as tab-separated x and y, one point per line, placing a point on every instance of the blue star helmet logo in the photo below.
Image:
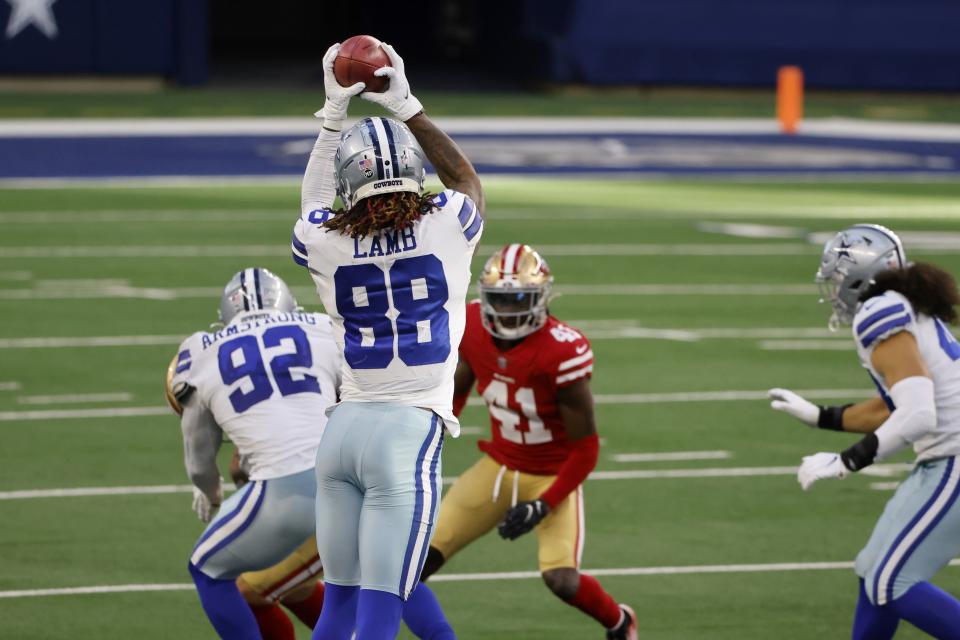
843	251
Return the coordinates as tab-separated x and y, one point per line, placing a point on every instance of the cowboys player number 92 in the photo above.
265	379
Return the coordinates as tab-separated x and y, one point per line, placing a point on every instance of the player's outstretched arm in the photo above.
463	381
866	416
897	359
453	167
862	417
318	189
201	441
575	404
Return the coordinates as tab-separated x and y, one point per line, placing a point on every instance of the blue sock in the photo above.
931	610
339	614
378	615
872	622
424	617
228	612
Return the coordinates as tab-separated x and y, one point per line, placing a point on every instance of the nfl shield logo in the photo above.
502	362
366	165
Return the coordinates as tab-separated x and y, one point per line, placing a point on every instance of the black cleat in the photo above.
626	630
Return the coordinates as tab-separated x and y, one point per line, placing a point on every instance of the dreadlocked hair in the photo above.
930	290
387	211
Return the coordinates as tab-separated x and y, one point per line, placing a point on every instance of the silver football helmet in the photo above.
377	155
850	261
255	289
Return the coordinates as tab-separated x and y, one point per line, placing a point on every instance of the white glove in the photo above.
797	406
334	110
820	466
397	99
202	505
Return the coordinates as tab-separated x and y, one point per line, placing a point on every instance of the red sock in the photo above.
274	623
595	602
308	610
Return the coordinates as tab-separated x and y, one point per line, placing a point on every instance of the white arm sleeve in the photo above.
319	188
915	415
201	441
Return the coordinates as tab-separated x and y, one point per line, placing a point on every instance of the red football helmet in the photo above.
514	292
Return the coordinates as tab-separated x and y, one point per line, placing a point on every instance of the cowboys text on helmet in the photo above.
375	156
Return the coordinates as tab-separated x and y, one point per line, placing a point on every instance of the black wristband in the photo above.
861	454
832	417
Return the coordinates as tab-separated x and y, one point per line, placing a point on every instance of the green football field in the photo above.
688	290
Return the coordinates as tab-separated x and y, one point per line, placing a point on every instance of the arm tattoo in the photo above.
453	167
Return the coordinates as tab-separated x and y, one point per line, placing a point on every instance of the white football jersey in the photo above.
397	300
268	377
884	315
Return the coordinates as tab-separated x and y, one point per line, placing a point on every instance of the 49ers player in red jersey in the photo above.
533	372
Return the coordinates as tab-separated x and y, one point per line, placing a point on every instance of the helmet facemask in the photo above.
829	286
511	313
515	292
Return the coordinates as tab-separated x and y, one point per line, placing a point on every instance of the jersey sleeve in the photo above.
572	358
303	238
466	211
881	317
179	382
298	246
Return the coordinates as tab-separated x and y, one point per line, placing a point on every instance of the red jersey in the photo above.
520	386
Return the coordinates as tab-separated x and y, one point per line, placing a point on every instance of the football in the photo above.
356	61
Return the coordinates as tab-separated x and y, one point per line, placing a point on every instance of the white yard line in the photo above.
717	289
596	331
79	591
16	276
289	180
844	344
624	398
830	127
718	396
260	250
884	486
10	385
125	290
885	470
149	216
880	470
305	126
708	569
670	456
74	414
85	492
89	341
72	398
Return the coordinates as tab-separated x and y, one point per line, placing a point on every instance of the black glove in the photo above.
523	518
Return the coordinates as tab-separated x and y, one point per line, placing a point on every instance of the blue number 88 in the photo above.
419	289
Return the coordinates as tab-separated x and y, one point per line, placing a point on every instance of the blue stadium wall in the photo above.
871	44
109	37
866	44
